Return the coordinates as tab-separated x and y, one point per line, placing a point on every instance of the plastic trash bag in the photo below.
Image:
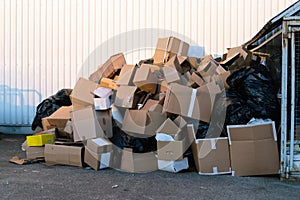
50	105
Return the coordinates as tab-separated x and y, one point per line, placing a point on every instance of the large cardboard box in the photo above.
145	80
82	95
85	125
193	103
109	68
142	123
211	155
253	149
125	96
138	162
168	47
97	161
126	75
58	119
64	155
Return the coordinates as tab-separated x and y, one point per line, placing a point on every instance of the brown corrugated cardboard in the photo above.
189	102
145	80
174	63
63	155
138	162
105	120
253	149
174	166
168	47
99	145
142	123
239	51
109	68
126	75
85	124
102	92
153	68
207	66
197	79
81	95
58	119
108	83
33	152
171	75
125	96
211	155
171	150
97	161
168	127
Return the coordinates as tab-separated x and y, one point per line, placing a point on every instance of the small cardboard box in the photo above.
58	119
171	75
207	66
33	152
173	166
193	103
197	79
64	155
97	160
108	83
211	155
145	80
102	92
81	95
102	103
85	125
125	96
253	149
105	120
142	123
99	145
109	68
138	162
126	75
40	140
168	47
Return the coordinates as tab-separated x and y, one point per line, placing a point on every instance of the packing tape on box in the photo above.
191	107
180	48
213	143
215	170
104	160
274	132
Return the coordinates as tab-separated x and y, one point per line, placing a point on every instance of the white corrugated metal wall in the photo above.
46	45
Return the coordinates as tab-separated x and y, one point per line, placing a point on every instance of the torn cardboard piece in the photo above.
58	119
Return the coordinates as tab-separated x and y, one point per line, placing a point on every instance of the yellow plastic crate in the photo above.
40	140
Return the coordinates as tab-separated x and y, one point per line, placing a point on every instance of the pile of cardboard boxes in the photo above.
163	97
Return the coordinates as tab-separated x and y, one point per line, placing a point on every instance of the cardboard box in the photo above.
97	161
125	96
168	47
171	75
253	149
173	166
142	123
102	103
238	52
33	152
138	162
194	103
63	155
126	75
145	80
81	95
40	140
99	145
105	120
108	83
102	92
207	66
109	68
153	68
85	125
211	155
58	119
174	63
195	78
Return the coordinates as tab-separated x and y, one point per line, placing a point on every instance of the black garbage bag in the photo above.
202	130
50	105
252	94
138	145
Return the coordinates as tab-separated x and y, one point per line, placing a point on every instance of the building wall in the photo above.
46	45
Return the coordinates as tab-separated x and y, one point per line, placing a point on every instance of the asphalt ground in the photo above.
40	181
